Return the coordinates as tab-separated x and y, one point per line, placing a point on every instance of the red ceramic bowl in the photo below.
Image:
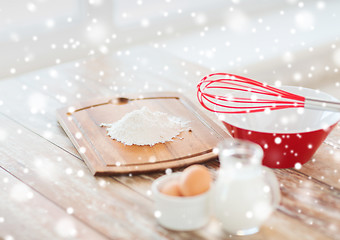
288	136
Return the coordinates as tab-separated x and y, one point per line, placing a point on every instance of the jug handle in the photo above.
274	186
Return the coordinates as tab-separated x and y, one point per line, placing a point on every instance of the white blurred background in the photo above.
283	41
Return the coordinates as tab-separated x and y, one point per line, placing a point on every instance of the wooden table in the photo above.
47	191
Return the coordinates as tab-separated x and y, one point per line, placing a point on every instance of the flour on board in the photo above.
144	127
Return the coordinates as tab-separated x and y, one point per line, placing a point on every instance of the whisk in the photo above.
253	96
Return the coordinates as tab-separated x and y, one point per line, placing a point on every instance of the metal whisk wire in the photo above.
275	98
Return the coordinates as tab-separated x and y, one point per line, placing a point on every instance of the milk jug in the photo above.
245	192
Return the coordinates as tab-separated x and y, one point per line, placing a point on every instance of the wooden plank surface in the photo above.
103	203
26	214
120	207
99	201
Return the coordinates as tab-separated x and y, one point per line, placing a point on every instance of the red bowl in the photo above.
289	136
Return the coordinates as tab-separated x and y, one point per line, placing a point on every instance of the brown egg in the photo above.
171	188
194	180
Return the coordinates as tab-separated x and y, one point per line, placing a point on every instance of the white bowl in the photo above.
180	213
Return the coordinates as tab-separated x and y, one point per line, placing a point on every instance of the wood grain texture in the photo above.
325	166
311	201
26	214
41	121
106	156
105	204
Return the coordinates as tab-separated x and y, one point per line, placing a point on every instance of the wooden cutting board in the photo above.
103	155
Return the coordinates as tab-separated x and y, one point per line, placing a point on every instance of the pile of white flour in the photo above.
144	127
